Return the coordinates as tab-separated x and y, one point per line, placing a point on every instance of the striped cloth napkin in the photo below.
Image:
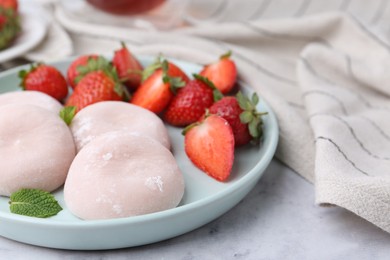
323	66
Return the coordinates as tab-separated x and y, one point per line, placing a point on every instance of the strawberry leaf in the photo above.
149	70
246	117
217	94
67	114
205	80
250	115
189	127
93	64
255	99
226	55
175	83
254	128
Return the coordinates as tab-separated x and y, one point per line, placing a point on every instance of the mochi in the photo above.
36	149
102	117
35	98
120	175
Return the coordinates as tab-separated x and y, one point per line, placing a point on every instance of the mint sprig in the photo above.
34	203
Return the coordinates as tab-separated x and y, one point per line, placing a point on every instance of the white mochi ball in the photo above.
36	149
107	116
35	98
121	175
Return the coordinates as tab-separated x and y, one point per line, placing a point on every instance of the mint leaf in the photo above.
67	114
34	203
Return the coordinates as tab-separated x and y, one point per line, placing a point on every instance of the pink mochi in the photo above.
107	116
120	175
27	97
36	149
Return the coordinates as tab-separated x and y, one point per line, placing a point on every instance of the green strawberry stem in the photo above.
217	94
67	114
251	116
226	55
187	128
174	82
149	70
93	64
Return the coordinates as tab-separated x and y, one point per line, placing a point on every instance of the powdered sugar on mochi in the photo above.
36	149
119	175
107	116
35	98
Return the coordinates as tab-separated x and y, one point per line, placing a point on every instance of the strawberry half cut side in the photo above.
161	80
223	73
210	146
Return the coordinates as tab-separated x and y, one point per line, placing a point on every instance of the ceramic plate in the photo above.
205	199
33	31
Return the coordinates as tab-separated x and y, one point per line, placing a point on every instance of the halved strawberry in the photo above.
191	102
222	73
128	67
241	113
210	146
44	78
73	71
157	90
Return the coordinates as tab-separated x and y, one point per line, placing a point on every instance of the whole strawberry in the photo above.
241	113
191	102
222	73
209	144
128	67
74	68
161	80
96	86
46	79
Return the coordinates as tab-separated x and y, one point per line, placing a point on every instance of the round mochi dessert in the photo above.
36	149
107	116
120	175
27	97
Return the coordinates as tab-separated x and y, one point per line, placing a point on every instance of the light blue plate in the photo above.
205	199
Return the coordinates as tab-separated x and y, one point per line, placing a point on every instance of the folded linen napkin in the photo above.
326	76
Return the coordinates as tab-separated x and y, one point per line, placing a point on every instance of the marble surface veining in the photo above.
277	220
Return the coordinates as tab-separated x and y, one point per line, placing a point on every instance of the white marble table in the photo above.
277	220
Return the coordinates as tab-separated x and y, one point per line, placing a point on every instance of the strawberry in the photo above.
222	73
73	70
242	116
128	67
46	79
96	86
157	90
12	4
191	102
229	109
210	146
9	25
3	21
